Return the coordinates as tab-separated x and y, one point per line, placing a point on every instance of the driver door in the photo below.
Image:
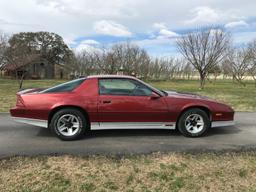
127	100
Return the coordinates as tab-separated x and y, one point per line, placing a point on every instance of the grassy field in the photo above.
156	172
8	89
239	97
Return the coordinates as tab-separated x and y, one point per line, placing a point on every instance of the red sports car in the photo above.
117	102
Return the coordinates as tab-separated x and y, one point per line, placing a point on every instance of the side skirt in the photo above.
36	122
121	125
132	125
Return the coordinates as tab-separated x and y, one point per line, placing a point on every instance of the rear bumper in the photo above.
222	123
18	111
36	122
28	116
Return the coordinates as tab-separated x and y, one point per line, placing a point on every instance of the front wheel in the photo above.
68	124
194	123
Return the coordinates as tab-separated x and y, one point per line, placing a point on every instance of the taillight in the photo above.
20	101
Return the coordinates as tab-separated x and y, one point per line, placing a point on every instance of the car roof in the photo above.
110	76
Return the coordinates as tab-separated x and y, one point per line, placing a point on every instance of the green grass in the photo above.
239	97
9	88
155	172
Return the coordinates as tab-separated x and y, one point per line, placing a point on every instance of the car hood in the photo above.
187	95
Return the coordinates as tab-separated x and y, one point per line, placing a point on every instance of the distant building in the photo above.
36	69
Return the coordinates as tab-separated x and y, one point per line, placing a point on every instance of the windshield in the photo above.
164	92
65	87
153	88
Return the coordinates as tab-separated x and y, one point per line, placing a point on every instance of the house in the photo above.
36	68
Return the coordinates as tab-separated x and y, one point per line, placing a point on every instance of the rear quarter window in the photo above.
65	87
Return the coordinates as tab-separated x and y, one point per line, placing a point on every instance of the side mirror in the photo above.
154	96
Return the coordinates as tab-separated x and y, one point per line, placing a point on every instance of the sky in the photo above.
152	24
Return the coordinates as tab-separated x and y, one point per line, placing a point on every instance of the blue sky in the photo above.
154	25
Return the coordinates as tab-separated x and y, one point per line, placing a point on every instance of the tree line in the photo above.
205	53
129	59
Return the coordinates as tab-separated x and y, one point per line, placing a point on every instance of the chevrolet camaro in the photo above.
70	109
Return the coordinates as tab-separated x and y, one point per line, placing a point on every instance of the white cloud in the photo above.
202	15
108	27
89	45
205	15
73	19
163	32
89	8
160	25
162	36
90	42
234	24
88	48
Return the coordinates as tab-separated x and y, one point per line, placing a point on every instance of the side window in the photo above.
123	87
116	87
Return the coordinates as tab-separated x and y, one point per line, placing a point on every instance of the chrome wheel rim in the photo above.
68	125
194	123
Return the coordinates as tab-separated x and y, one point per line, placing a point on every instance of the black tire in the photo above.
190	112
80	130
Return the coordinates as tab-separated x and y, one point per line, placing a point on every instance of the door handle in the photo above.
106	101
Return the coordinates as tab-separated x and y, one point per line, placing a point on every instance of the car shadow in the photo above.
222	131
132	133
44	133
158	132
116	133
143	132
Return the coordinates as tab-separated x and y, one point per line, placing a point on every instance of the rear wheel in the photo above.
68	124
194	123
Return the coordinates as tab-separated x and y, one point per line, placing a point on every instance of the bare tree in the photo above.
16	60
128	57
168	68
86	63
187	70
252	71
3	48
239	60
226	68
204	49
143	67
215	71
252	60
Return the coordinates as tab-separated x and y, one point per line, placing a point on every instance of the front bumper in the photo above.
222	123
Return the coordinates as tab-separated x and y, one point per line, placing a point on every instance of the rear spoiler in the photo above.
26	91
